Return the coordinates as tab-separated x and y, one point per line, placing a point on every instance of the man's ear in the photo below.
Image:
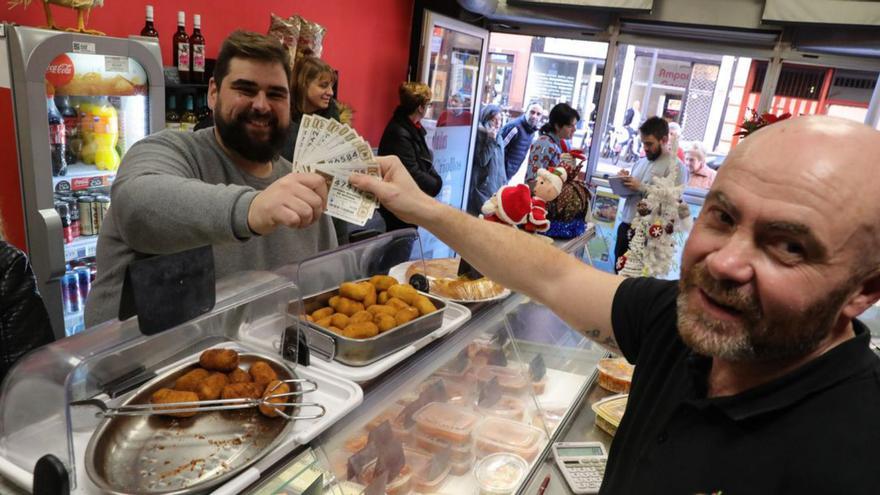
868	294
213	91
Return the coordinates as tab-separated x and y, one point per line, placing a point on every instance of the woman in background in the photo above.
24	321
311	94
551	143
404	136
488	173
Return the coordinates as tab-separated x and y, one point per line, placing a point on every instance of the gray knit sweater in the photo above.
176	191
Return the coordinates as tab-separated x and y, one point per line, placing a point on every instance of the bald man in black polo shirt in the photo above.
752	373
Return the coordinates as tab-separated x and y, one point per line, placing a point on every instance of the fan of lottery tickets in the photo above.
335	151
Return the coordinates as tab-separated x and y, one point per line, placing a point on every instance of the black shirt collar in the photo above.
841	362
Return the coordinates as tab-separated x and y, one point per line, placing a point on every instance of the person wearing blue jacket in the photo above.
517	136
487	174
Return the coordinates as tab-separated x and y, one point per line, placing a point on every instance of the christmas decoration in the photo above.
663	214
567	213
756	122
514	205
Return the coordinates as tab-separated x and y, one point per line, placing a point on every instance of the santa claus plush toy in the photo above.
514	205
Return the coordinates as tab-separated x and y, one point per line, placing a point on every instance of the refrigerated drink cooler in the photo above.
80	102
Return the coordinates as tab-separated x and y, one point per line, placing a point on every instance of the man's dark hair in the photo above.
253	46
561	115
655	126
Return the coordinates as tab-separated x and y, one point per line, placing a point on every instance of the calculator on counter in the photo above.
582	464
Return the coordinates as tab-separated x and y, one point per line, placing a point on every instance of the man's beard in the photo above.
756	336
653	156
236	137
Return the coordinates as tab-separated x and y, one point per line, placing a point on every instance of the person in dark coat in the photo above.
405	137
24	321
487	174
517	136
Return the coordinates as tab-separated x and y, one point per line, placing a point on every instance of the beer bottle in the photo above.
180	48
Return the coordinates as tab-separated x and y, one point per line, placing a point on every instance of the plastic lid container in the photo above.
615	374
609	412
511	380
507	406
503	435
459	393
447	421
461	468
420	463
549	415
400	485
392	415
458	451
500	474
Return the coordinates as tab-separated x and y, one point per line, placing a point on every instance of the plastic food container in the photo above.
402	484
507	407
420	462
460	393
512	381
503	435
609	412
392	416
549	415
500	474
615	374
461	468
459	452
447	421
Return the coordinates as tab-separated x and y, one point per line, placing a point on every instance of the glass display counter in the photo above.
472	413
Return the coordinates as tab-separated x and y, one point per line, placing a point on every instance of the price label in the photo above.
83	47
114	63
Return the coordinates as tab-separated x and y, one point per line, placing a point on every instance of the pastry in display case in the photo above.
615	374
445	281
173	411
466	420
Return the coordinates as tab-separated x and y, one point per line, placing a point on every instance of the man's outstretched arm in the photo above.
579	294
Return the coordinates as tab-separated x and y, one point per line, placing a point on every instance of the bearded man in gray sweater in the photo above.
224	186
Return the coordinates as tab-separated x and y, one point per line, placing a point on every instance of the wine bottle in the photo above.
172	120
188	119
180	48
197	49
149	29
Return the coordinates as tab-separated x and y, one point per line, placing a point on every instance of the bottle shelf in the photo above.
82	176
81	247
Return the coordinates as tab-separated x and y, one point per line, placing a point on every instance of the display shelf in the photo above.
81	176
81	247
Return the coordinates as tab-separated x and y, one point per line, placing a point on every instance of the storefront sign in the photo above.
672	74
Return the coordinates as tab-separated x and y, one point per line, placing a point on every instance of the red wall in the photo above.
368	42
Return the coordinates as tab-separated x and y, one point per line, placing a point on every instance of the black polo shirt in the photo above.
815	430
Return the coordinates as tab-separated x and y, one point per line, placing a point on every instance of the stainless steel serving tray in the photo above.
163	455
361	352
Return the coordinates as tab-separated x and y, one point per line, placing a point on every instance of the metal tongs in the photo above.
216	405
